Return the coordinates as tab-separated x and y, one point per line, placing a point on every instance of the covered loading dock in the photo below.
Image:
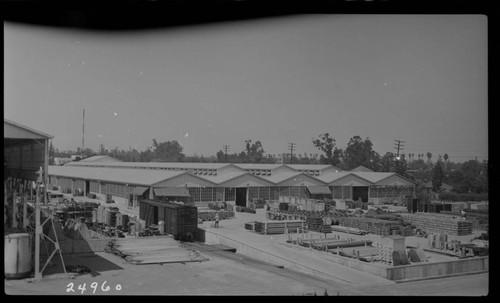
26	158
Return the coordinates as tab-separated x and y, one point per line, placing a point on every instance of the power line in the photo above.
398	145
291	146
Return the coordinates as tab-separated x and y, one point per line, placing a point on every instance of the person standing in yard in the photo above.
217	220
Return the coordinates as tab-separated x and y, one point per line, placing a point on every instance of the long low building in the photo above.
216	182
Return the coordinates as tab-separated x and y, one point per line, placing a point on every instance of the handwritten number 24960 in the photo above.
94	285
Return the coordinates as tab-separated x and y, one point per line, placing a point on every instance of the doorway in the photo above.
360	192
241	196
87	188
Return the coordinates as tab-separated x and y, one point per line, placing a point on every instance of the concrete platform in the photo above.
274	249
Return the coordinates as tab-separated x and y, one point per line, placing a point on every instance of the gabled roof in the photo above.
362	168
127	176
373	177
14	130
221	178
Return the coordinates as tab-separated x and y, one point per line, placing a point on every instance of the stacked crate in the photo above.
439	223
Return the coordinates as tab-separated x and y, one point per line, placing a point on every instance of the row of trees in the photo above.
470	176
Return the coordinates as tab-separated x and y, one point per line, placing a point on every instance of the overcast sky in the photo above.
417	78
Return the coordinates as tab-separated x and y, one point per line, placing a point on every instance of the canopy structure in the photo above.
139	190
319	190
172	192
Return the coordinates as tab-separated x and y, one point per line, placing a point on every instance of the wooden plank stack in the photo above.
439	223
153	250
279	227
374	226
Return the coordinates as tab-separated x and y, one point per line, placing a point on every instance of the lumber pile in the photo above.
153	250
439	223
279	227
374	226
349	230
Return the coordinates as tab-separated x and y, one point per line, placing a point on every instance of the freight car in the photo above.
180	220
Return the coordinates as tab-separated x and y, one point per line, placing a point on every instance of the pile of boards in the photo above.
374	226
439	223
279	227
154	250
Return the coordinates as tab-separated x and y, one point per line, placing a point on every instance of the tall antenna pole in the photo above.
83	131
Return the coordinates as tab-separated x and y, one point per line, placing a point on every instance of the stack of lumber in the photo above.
439	223
374	226
349	230
479	218
314	223
153	250
279	227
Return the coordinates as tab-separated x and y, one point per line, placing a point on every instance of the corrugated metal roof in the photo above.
172	191
128	176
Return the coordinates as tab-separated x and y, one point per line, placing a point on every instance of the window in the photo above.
264	192
229	194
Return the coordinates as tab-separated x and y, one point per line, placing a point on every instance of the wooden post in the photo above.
38	233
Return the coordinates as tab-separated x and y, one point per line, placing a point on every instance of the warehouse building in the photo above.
205	183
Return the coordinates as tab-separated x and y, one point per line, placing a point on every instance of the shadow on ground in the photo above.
92	261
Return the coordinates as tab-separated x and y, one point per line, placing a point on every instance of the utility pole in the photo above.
398	145
83	132
225	153
291	146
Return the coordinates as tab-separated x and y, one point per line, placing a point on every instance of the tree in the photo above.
253	153
326	144
429	156
446	157
359	152
170	151
470	172
386	163
437	177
